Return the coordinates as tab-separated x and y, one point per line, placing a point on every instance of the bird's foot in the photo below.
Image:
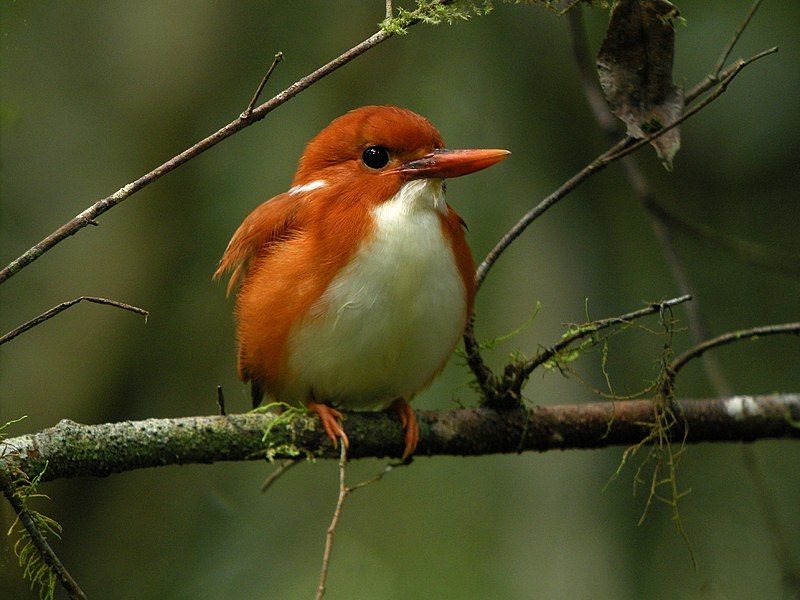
408	418
330	418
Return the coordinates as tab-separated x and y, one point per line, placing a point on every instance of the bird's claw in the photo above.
408	419
331	422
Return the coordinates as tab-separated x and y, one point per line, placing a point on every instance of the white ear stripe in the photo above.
307	187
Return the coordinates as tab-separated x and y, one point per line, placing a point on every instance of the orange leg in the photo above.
408	418
330	418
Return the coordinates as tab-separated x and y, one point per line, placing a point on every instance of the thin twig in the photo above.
710	80
728	338
64	306
583	331
101	206
598	164
343	491
248	111
723	58
483	374
279	471
720	89
88	216
37	538
641	188
376	478
221	400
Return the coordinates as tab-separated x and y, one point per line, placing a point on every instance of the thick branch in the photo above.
74	450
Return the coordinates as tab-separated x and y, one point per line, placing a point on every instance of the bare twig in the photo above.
101	206
37	538
483	374
64	306
620	150
709	81
326	555
248	111
376	478
729	48
728	338
220	400
583	331
641	188
598	164
279	471
88	216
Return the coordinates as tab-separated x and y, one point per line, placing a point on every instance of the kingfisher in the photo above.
355	285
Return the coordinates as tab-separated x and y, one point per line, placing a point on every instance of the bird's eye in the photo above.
375	157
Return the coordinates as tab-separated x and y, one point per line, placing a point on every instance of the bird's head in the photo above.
377	149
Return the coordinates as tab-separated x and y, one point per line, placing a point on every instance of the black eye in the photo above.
375	157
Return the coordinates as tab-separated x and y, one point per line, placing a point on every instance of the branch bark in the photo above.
74	450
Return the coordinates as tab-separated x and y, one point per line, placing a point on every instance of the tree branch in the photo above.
74	450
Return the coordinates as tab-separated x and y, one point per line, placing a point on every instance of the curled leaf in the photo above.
635	70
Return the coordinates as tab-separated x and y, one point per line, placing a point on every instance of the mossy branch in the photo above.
74	450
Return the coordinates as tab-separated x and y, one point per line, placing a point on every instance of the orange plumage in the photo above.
356	283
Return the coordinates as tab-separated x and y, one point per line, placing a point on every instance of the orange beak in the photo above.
443	164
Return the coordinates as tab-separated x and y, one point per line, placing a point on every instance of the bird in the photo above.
355	285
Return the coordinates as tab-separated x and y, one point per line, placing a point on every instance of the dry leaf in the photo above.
635	70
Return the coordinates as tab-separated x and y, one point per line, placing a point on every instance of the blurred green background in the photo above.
94	94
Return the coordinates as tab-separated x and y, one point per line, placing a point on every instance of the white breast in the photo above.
391	317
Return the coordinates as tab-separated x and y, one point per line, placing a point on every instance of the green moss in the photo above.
280	434
433	12
34	567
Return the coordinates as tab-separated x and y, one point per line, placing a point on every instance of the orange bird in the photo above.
356	284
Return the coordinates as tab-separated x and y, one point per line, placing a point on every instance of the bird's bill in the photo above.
443	164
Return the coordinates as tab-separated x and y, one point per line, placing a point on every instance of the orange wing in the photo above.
268	224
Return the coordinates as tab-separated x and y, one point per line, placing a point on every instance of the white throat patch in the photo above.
419	194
